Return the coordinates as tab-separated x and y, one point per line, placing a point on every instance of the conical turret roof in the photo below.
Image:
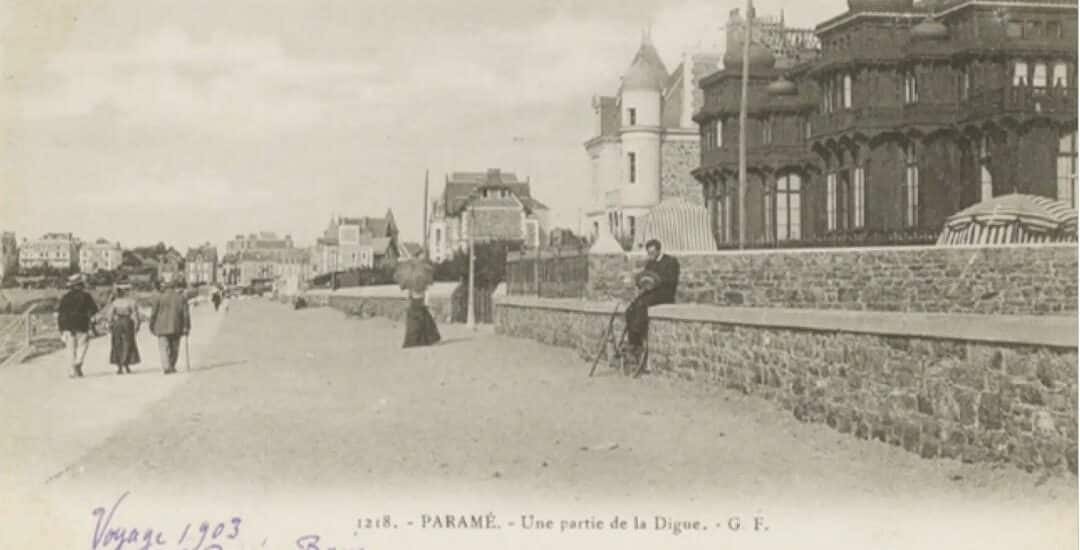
647	70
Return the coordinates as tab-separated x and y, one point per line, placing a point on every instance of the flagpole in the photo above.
424	235
747	37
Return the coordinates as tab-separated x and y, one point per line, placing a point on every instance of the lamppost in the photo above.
470	319
743	103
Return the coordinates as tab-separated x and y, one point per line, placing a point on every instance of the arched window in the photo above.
1066	168
788	207
911	185
986	179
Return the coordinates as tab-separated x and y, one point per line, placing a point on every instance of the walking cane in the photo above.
187	352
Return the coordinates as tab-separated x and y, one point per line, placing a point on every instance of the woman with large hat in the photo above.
416	276
124	322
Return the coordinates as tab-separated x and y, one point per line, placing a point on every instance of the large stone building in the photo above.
907	113
57	250
501	207
646	143
100	255
201	264
355	243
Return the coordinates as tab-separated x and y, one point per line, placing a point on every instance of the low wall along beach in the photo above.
966	353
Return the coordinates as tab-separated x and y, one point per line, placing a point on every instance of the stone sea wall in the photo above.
971	387
1031	280
383	301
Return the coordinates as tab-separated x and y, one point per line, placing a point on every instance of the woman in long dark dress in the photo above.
124	325
420	328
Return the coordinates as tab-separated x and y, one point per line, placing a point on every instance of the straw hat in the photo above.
647	279
75	280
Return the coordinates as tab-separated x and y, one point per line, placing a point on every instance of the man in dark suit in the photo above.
170	320
657	284
667	268
74	317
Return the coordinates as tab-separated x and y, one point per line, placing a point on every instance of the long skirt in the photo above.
124	349
420	328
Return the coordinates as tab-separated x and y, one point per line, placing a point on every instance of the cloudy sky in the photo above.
187	121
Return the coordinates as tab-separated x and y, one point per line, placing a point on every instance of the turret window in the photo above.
631	159
911	88
631	116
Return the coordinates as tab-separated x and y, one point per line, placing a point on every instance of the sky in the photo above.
142	121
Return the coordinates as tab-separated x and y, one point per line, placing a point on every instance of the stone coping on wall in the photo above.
835	249
1051	331
441	289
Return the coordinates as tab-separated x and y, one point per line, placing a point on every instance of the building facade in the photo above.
258	241
57	250
646	143
228	270
100	255
905	114
355	243
492	205
201	265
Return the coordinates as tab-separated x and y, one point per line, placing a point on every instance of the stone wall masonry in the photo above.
1014	280
678	158
971	395
383	301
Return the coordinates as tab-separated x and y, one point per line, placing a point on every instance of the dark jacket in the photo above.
75	310
170	315
668	270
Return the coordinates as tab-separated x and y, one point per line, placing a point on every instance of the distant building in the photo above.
228	270
502	205
170	266
9	255
355	243
202	264
57	250
100	255
288	266
255	241
645	142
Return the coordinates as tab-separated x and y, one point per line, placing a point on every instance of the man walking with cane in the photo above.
74	317
170	320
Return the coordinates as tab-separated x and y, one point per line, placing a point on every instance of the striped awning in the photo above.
678	225
1011	219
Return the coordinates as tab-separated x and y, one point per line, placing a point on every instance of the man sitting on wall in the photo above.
656	284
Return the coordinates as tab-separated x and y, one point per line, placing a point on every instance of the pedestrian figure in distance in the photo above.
216	298
74	317
416	276
170	320
124	322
